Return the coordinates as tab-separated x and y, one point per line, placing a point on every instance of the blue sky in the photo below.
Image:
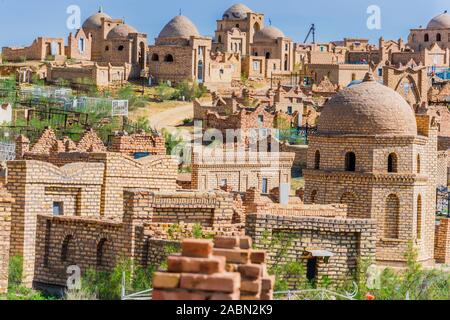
23	20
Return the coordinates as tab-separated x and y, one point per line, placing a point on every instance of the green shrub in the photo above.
189	91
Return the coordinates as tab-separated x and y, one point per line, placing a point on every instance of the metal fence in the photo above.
7	151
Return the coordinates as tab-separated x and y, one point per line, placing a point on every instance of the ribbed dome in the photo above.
369	108
441	21
268	34
121	31
236	12
179	27
95	21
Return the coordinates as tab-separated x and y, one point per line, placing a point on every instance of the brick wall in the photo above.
349	240
442	242
87	243
140	142
241	173
5	232
36	186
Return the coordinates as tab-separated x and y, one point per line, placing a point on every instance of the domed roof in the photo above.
369	108
121	31
236	12
441	21
179	27
268	33
95	21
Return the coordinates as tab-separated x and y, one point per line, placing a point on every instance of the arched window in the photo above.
392	217
426	37
120	48
438	37
168	58
317	160
219	39
155	57
101	252
286	62
419	217
418	163
267	55
256	27
350	162
65	249
314	196
107	48
392	163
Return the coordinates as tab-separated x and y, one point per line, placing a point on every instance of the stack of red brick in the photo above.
230	271
256	284
196	275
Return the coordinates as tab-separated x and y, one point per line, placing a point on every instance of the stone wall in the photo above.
347	241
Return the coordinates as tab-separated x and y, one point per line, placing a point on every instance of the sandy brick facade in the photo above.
389	178
442	253
5	232
242	172
138	143
42	48
355	237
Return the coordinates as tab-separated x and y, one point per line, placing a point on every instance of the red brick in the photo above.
267	295
226	296
252	271
258	256
251	286
196	265
226	242
197	248
225	282
245	243
165	280
178	295
234	255
268	283
250	297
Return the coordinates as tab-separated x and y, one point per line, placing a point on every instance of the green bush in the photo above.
189	91
16	291
164	92
108	285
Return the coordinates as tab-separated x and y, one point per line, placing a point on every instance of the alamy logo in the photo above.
73	22
74	279
374	19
